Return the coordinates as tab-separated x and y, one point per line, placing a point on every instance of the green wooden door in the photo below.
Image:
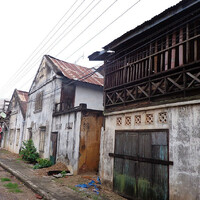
141	165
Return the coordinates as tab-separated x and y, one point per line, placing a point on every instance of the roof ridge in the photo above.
67	62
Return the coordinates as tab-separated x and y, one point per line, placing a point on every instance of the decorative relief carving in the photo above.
149	119
128	120
119	121
162	117
138	119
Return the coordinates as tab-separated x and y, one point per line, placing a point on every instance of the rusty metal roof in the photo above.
77	72
23	100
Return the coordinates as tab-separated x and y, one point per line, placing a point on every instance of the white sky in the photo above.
25	24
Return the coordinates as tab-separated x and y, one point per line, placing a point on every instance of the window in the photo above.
18	135
67	96
38	101
42	139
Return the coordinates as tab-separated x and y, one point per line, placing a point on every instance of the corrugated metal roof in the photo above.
77	72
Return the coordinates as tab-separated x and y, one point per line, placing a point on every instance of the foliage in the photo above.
5	179
29	152
13	187
42	163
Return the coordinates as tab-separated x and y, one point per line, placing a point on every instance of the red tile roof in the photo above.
77	72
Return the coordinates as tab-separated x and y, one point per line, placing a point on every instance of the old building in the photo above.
4	120
64	116
150	145
16	112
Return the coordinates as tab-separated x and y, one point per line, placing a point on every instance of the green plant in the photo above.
63	173
13	187
29	152
42	163
5	179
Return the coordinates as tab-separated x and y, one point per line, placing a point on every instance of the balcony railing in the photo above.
62	108
181	82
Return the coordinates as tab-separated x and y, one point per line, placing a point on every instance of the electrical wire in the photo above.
104	28
101	30
67	33
16	73
87	27
38	59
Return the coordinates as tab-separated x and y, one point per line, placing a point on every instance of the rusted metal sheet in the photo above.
76	72
91	124
141	179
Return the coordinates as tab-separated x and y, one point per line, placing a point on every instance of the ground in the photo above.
67	181
12	189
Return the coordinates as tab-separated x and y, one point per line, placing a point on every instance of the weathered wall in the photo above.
90	96
183	123
16	126
68	128
184	150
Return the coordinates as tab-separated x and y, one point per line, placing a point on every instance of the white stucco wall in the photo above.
90	96
183	123
68	128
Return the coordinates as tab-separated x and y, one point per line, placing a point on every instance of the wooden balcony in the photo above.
162	65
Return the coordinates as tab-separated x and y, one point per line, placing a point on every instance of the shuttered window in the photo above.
38	101
42	139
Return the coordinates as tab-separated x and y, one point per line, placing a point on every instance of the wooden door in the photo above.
91	124
54	137
141	165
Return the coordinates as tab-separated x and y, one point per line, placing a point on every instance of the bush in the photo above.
29	152
42	163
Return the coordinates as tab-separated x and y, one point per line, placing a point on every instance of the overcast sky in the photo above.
60	28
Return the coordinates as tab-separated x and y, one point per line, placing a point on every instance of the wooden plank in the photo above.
181	47
187	43
166	53
156	58
176	84
173	51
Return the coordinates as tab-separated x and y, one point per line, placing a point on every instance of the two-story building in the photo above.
150	145
16	115
64	114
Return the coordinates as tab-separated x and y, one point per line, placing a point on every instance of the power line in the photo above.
77	24
87	27
84	29
38	59
33	53
102	30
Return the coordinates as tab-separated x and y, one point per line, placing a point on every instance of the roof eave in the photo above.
168	13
